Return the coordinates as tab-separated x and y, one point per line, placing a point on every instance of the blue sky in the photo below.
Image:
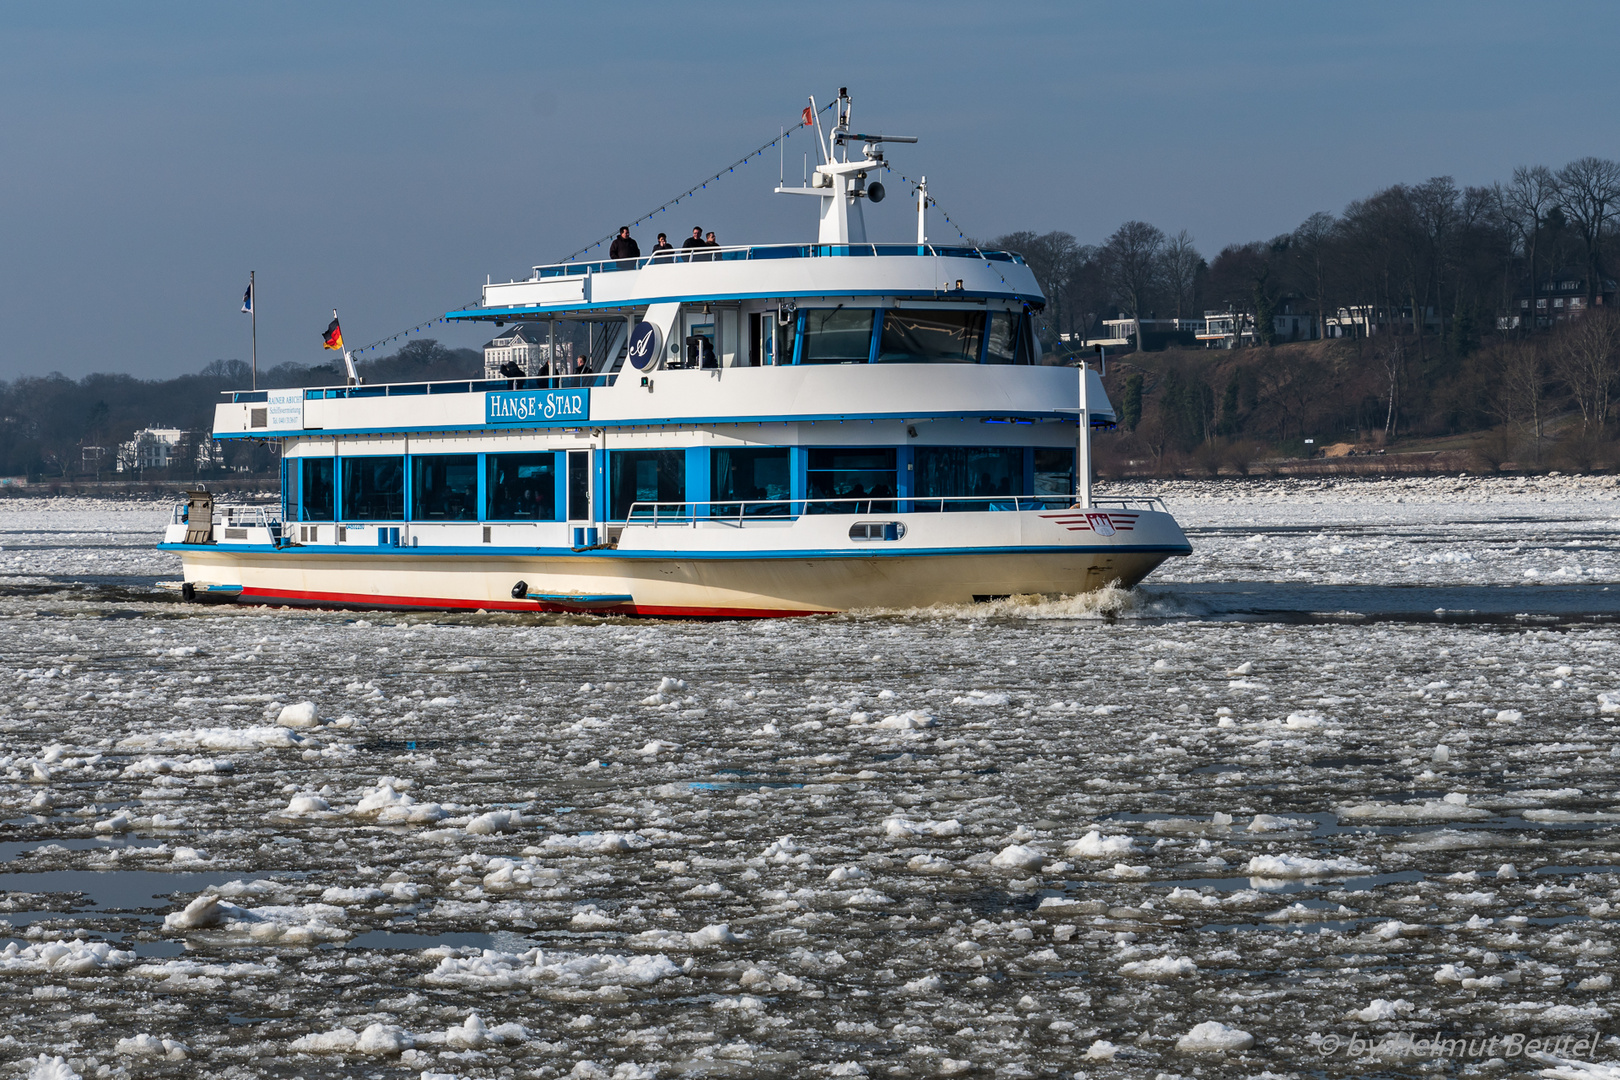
383	158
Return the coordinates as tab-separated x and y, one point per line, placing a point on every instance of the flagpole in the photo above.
253	291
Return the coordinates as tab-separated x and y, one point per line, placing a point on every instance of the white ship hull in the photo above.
709	569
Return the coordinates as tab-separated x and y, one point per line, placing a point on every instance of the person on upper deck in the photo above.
695	240
660	248
624	246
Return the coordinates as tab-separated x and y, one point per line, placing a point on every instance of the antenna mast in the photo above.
840	182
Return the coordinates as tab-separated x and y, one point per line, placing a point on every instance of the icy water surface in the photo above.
1350	771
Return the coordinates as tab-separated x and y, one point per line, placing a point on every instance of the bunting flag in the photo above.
247	301
333	338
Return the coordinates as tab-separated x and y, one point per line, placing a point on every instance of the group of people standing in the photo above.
624	246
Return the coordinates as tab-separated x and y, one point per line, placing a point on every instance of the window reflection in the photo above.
444	487
522	487
374	488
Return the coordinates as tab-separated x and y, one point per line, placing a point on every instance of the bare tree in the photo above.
1057	262
1586	359
1179	265
1588	189
1311	249
1436	210
1523	204
1394	357
1521	389
1130	264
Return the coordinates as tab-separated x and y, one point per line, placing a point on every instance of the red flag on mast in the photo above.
809	117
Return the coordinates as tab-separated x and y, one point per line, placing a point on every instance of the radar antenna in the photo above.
840	182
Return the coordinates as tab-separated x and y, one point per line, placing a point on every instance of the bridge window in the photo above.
847	473
1008	341
931	337
945	473
374	488
1054	472
444	487
837	336
749	475
522	487
647	476
312	494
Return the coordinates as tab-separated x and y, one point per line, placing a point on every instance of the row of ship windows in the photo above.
909	336
752	481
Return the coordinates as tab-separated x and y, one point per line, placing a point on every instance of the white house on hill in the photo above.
525	344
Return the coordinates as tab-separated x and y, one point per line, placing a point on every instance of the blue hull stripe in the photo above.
669	556
631	423
512	313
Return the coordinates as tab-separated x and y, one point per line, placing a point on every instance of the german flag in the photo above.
333	338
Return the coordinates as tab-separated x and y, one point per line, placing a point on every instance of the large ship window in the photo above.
374	488
1009	341
1001	343
837	336
931	337
648	476
846	473
750	476
1054	473
312	496
522	487
444	487
985	474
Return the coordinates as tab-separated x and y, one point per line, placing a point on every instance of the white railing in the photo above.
1148	503
765	511
236	517
251	517
753	252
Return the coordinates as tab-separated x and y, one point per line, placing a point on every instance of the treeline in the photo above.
46	422
1436	287
1465	254
1539	400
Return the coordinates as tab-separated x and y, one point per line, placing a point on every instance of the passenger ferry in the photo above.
754	431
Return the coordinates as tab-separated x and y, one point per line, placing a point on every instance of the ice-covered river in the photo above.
1347	773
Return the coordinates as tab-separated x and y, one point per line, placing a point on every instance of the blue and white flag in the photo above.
247	301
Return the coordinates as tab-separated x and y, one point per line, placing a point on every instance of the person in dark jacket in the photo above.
624	247
695	240
662	248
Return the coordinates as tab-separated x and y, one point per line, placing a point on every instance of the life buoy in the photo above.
520	591
188	592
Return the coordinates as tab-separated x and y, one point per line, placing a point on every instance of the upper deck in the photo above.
740	395
763	272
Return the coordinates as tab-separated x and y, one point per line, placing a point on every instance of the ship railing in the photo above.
414	389
249	517
765	511
1149	503
232	517
754	252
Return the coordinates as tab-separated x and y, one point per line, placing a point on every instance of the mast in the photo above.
840	182
922	211
253	314
1082	455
